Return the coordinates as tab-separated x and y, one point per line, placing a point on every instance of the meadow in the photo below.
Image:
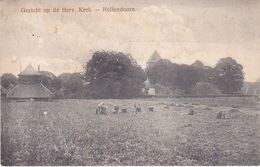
68	132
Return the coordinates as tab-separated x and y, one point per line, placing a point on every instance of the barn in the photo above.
29	87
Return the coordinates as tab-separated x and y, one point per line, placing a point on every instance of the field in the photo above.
68	132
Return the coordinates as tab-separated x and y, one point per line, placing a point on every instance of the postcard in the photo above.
130	82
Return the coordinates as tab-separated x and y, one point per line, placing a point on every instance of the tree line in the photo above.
227	75
112	74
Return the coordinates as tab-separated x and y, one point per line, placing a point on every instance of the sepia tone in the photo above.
87	82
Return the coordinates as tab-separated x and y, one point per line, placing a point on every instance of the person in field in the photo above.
137	107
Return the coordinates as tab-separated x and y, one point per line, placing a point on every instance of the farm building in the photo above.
29	86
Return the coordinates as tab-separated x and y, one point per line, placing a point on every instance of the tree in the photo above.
64	76
205	73
114	75
186	77
229	75
56	84
71	85
47	77
161	72
8	79
173	75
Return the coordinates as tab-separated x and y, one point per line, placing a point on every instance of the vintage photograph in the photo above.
130	82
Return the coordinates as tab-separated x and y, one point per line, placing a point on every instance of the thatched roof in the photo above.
29	91
29	70
3	90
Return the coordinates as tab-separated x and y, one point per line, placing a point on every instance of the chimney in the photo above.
38	68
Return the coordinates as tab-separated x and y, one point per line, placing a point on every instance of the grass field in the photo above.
68	132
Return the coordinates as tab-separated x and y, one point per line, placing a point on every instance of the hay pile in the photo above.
205	89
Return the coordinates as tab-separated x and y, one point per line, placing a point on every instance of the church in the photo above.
29	87
150	89
157	89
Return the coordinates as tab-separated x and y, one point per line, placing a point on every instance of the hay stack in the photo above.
191	112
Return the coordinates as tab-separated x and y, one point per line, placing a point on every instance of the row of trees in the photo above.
227	75
117	75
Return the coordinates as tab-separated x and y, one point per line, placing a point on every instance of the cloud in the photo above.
64	42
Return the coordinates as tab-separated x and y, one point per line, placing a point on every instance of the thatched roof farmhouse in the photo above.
29	86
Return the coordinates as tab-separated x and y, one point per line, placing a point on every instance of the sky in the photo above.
182	31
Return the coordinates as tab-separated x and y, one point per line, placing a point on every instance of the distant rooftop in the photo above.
29	70
154	58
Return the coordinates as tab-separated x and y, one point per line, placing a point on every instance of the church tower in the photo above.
149	88
153	59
